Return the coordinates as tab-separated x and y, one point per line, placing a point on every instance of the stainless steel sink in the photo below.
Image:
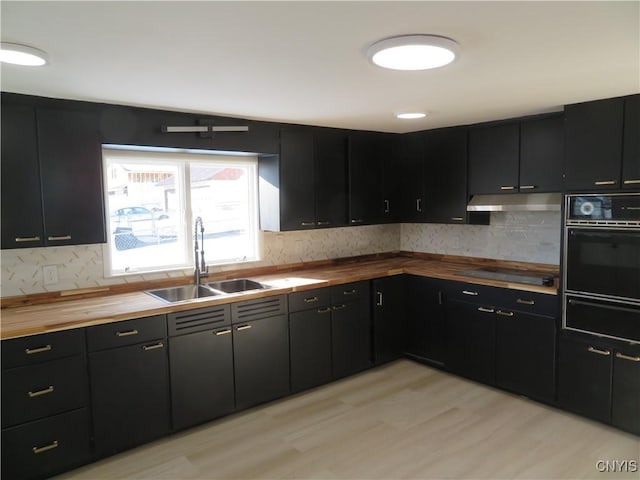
237	285
180	294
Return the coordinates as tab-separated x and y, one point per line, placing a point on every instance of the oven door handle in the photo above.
573	301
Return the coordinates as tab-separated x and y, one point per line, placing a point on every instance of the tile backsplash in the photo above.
529	237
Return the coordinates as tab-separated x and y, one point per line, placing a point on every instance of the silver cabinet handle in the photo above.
27	239
46	448
504	314
522	301
349	292
59	237
310	299
457	219
222	332
631	208
469	292
627	357
598	351
324	310
324	223
631	182
308	224
605	182
127	333
418	205
527	187
507	187
244	327
387	207
38	393
155	346
486	310
379	301
31	351
339	307
356	220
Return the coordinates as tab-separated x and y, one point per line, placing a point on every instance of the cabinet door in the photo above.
71	169
525	353
471	340
365	182
201	367
446	176
493	159
425	327
625	411
310	337
388	318
261	360
584	378
541	155
331	179
391	179
412	161
130	396
593	143
631	145
297	194
351	338
21	196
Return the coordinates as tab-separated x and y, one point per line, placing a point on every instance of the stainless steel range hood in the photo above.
516	202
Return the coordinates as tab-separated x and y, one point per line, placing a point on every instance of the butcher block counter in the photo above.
106	306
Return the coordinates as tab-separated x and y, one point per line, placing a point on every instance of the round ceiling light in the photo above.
22	55
413	52
410	115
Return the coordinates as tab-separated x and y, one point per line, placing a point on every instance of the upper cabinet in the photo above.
366	191
411	153
493	158
631	143
541	154
306	185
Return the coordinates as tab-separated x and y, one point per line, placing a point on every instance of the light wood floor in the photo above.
402	420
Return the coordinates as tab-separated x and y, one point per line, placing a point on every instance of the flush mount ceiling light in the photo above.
22	55
410	115
413	52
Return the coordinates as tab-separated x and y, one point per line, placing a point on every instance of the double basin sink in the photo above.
191	292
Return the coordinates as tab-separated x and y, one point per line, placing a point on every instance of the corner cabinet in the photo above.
388	318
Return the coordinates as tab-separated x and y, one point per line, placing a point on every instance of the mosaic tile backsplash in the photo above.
529	237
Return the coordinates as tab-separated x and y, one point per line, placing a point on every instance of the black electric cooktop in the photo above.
507	275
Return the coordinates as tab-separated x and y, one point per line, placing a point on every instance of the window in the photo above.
153	197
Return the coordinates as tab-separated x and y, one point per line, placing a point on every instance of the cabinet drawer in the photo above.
319	297
259	308
48	446
198	320
471	292
129	332
41	348
529	302
45	389
349	292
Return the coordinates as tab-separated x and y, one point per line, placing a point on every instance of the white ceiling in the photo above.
303	62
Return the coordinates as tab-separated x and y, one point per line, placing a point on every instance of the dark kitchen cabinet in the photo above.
425	319
128	368
330	154
366	190
200	365
411	152
388	318
392	175
541	154
260	350
631	143
593	143
494	158
21	194
350	337
625	389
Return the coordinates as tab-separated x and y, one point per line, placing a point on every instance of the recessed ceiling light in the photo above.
22	55
411	115
413	52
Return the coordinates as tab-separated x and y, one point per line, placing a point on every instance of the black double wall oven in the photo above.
601	255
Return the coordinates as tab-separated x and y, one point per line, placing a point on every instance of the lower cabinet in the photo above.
350	338
129	383
388	318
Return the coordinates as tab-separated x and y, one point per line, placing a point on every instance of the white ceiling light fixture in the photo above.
413	52
410	115
24	55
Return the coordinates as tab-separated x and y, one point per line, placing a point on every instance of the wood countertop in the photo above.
62	315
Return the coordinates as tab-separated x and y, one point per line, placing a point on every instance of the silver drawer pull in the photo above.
418	205
49	389
310	299
223	332
356	220
469	292
379	300
349	292
631	182
244	327
507	187
155	346
525	302
127	333
486	310
457	219
31	351
339	307
627	357
605	182
308	224
46	448
54	238
504	314
527	187
324	223
598	351
27	239
324	310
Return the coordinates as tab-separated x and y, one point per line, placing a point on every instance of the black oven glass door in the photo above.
603	262
612	319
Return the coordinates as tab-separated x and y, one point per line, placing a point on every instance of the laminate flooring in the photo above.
399	421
